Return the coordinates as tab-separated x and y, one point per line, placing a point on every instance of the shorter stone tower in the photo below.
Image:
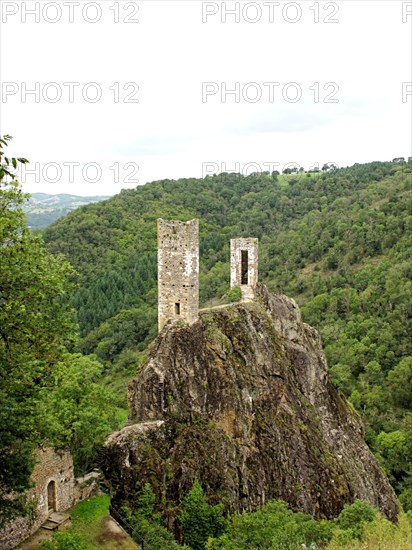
244	265
178	270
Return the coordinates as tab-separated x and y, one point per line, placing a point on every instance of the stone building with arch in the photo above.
54	491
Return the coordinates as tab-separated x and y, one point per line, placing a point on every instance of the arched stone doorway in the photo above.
51	496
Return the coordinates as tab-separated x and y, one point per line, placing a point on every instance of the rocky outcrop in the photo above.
241	400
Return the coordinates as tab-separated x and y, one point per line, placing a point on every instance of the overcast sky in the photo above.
312	82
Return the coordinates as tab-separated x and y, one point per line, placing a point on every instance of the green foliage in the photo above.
147	525
145	501
155	535
128	330
234	295
35	324
395	448
77	411
405	498
272	527
90	527
199	519
64	540
377	534
47	395
121	287
400	381
353	517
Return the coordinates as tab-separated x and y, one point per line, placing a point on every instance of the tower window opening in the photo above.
177	308
244	267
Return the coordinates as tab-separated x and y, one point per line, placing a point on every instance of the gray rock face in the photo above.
241	400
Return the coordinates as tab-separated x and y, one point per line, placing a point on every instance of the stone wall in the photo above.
53	466
178	270
247	278
86	487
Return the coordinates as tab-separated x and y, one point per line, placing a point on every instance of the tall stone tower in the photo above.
244	265
178	270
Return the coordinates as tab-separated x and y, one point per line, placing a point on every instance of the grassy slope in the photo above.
89	519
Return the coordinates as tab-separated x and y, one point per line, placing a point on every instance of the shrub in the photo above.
145	501
273	527
199	519
378	534
405	499
155	535
353	517
234	295
147	524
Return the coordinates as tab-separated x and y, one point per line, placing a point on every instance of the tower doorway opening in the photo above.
177	308
51	496
244	267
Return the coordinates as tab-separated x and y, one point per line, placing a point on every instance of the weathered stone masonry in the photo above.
178	270
53	479
55	490
244	265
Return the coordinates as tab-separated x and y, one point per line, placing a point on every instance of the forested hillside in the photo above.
48	395
42	209
338	242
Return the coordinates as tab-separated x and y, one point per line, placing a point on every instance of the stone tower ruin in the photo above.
178	270
244	265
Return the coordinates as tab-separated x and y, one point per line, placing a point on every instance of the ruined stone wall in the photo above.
86	487
17	530
178	271
250	245
52	465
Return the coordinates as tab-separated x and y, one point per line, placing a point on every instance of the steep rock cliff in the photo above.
242	401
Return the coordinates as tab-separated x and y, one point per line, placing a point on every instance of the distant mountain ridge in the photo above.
42	209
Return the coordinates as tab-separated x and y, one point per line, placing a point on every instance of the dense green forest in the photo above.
48	395
337	241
